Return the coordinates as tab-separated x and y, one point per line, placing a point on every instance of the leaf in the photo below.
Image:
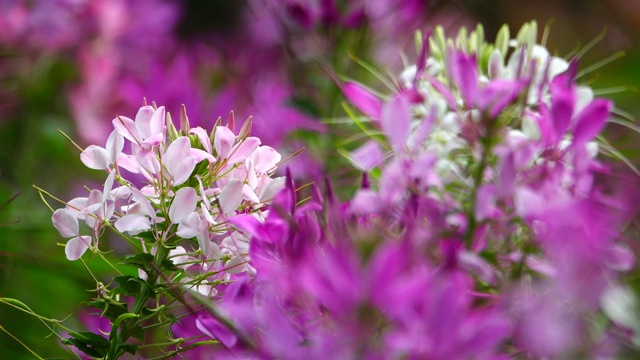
111	309
129	285
142	261
89	343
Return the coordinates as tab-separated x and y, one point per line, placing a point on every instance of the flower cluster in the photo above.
486	235
172	195
482	229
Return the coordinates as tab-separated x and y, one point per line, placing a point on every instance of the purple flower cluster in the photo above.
487	234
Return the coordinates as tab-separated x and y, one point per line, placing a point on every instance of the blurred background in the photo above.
73	65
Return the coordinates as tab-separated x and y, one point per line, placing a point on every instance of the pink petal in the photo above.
95	157
184	203
65	222
231	196
265	158
76	247
143	121
144	203
133	224
223	141
363	99
156	124
591	120
189	226
242	150
396	121
273	188
203	137
127	128
464	73
183	171
367	156
619	258
115	144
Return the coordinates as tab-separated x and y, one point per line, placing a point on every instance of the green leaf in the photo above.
129	285
110	308
89	343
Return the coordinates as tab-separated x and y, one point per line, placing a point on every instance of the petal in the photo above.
95	157
241	150
143	121
65	222
76	247
183	171
133	224
363	99
265	158
396	122
184	203
115	144
127	128
203	137
591	120
464	73
367	156
223	141
156	124
272	189
189	226
215	330
231	196
176	153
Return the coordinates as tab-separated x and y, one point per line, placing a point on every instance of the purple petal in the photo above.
396	122
76	247
157	121
562	104
464	73
184	203
591	120
215	330
363	99
66	223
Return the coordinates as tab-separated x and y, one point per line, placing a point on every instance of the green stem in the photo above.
128	325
